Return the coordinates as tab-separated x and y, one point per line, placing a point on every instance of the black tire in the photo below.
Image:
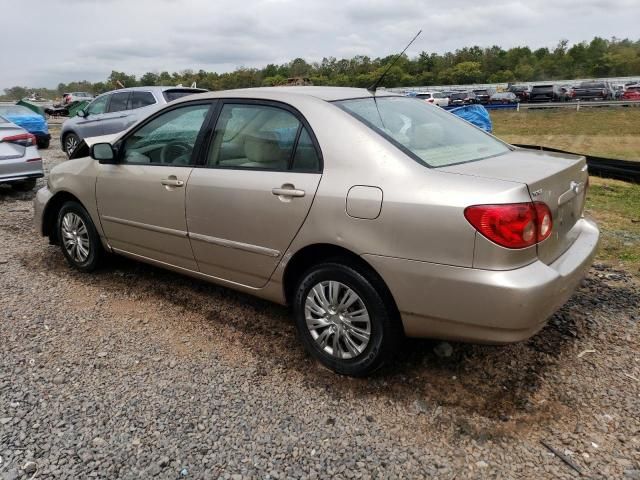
385	329
68	140
25	185
44	143
95	249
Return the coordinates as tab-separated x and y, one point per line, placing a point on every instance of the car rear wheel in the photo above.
79	240
344	319
71	142
44	143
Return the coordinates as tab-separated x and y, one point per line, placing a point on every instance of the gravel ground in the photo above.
135	372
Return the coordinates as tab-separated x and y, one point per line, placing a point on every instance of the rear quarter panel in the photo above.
422	215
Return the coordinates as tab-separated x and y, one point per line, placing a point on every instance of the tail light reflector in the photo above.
512	225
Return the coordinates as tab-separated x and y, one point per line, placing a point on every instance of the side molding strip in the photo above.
146	226
237	245
221	242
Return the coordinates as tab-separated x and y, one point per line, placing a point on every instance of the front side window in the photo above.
430	135
261	137
99	105
168	139
119	102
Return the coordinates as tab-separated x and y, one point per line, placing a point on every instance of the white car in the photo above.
437	98
20	162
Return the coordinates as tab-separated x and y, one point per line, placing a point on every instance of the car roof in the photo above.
328	94
154	88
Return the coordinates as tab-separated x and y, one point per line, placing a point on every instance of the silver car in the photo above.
373	216
20	162
115	111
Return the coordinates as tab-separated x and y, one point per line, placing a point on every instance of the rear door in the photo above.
246	204
115	118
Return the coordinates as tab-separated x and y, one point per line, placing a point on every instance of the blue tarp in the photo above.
476	115
31	123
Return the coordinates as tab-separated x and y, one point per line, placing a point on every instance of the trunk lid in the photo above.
559	180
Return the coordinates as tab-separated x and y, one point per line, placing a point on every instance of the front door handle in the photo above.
172	182
288	192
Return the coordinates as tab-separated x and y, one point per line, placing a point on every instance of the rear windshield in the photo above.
592	85
174	94
430	135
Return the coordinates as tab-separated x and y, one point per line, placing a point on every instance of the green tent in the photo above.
31	106
75	107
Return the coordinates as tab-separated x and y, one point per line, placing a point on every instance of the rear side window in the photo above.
119	102
261	137
141	99
174	94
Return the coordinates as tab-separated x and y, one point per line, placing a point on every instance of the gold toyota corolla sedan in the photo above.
372	215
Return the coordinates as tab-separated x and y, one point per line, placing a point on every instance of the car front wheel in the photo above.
344	318
71	142
78	237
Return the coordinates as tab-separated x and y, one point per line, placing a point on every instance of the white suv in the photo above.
437	98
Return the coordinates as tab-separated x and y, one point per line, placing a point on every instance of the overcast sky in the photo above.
44	42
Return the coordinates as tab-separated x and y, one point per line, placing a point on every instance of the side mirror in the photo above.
104	153
81	113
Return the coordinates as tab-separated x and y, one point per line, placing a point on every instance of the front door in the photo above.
248	202
89	125
114	120
141	200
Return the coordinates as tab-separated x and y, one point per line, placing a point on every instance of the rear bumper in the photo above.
467	304
18	169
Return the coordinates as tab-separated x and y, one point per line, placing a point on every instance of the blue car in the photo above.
29	120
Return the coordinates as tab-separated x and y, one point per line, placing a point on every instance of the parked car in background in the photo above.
68	98
632	92
462	98
567	93
547	93
504	98
437	98
31	121
618	92
316	197
593	91
520	91
115	111
20	162
483	95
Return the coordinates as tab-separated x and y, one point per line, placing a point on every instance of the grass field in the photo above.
612	133
606	132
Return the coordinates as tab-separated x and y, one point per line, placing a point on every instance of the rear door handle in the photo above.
172	182
288	192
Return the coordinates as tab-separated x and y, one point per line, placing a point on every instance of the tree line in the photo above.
598	58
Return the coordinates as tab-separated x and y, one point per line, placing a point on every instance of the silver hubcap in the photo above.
75	237
337	319
71	144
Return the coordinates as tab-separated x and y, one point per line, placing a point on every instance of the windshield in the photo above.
15	110
428	134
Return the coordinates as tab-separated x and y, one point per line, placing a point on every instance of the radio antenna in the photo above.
374	87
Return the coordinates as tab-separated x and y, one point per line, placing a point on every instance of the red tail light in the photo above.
430	100
24	139
512	225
